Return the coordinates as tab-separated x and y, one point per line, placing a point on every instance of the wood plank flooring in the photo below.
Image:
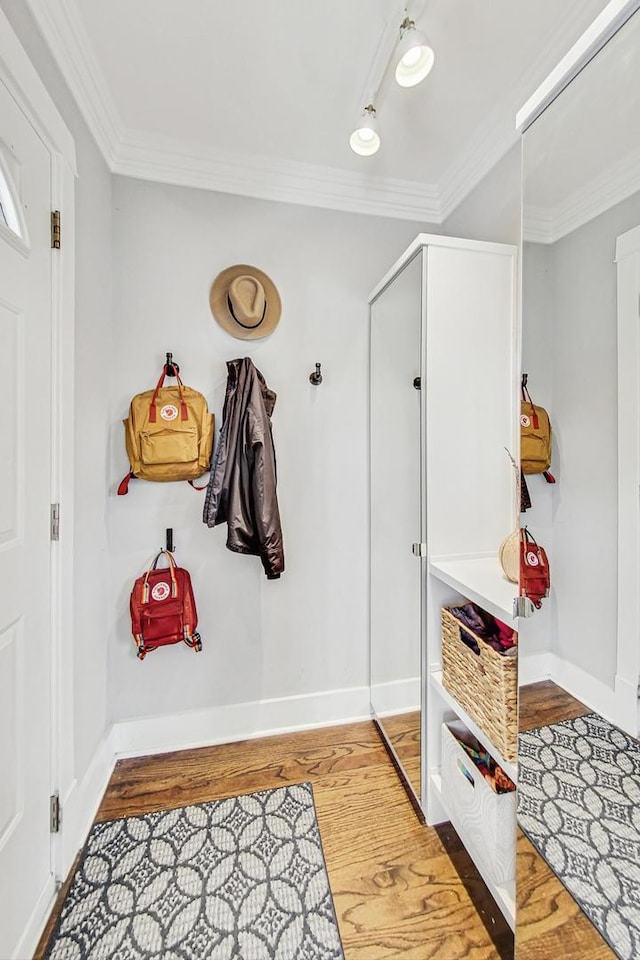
397	892
549	921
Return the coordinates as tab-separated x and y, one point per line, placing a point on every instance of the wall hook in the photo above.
171	368
316	378
525	377
169	540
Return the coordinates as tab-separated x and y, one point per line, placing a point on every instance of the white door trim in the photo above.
24	84
628	656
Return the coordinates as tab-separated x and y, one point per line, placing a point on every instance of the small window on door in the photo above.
9	207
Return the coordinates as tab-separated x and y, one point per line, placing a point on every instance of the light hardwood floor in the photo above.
549	921
397	892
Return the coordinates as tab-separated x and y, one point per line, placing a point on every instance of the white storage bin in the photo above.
484	820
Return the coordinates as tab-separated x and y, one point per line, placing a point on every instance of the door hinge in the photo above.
55	230
419	549
55	521
54	813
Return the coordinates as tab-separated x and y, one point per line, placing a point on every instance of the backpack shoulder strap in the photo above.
123	486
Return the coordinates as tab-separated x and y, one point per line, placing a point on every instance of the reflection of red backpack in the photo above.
163	608
535	578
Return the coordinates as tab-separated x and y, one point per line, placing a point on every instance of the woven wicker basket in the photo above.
486	685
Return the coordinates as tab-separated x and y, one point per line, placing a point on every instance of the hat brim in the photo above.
219	303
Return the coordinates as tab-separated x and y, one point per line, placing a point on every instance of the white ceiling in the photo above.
259	96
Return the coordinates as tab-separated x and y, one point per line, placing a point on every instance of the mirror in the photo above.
580	840
396	596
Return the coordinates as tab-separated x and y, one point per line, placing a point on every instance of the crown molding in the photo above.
165	160
61	25
617	183
538	225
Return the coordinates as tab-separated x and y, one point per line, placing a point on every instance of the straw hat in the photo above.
245	302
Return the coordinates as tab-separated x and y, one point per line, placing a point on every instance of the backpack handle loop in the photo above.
184	413
172	572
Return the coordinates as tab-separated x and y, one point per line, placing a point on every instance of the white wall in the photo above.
492	210
306	632
92	372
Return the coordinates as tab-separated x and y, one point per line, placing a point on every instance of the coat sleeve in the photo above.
265	500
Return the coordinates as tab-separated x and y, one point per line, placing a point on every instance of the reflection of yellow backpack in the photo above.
168	433
535	437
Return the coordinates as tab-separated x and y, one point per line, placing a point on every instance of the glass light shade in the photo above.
414	58
365	140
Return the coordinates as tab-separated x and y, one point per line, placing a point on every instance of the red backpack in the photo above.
535	579
163	608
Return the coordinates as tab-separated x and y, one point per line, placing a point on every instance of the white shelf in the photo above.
480	580
509	767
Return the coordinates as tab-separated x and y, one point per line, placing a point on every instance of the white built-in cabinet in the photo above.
442	487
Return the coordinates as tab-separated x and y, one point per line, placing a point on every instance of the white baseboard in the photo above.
626	699
534	668
241	721
37	921
593	692
399	696
79	805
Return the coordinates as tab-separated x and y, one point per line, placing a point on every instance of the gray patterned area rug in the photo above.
579	804
237	879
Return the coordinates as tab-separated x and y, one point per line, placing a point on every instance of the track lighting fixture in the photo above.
414	55
409	52
365	139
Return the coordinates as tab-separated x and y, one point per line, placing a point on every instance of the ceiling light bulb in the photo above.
414	55
365	140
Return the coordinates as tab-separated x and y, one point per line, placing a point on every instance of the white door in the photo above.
25	483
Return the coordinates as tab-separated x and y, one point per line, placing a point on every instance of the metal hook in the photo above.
316	378
525	377
170	368
169	539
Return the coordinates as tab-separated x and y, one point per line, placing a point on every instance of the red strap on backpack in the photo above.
526	396
123	486
184	413
196	487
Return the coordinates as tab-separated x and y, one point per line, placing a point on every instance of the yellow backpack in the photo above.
535	436
168	433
